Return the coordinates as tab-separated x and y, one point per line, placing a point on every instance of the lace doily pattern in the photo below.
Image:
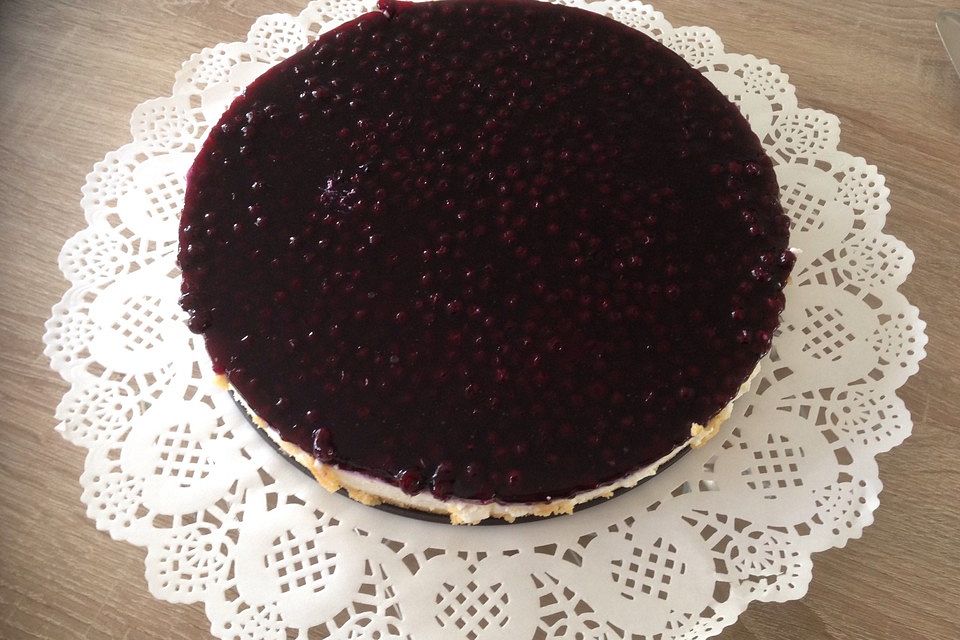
173	466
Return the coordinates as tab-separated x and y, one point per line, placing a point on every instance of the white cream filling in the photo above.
372	491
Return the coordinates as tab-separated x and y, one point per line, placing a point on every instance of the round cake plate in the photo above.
173	465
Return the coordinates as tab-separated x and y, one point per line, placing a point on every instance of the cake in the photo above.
485	258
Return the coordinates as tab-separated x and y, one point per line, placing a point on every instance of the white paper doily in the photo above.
174	467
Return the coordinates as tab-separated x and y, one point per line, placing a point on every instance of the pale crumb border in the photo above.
373	492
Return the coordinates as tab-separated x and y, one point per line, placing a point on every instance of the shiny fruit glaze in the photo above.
493	250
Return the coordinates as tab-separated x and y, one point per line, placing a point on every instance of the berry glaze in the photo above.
491	250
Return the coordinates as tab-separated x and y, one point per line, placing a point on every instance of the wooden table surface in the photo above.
71	72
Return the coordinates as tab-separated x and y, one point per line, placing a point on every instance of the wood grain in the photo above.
72	71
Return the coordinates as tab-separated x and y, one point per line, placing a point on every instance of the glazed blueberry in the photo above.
493	250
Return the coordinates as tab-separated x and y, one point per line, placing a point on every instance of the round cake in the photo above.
484	258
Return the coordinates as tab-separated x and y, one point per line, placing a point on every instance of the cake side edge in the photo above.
370	491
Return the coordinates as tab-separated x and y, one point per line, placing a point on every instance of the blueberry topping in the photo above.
492	250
